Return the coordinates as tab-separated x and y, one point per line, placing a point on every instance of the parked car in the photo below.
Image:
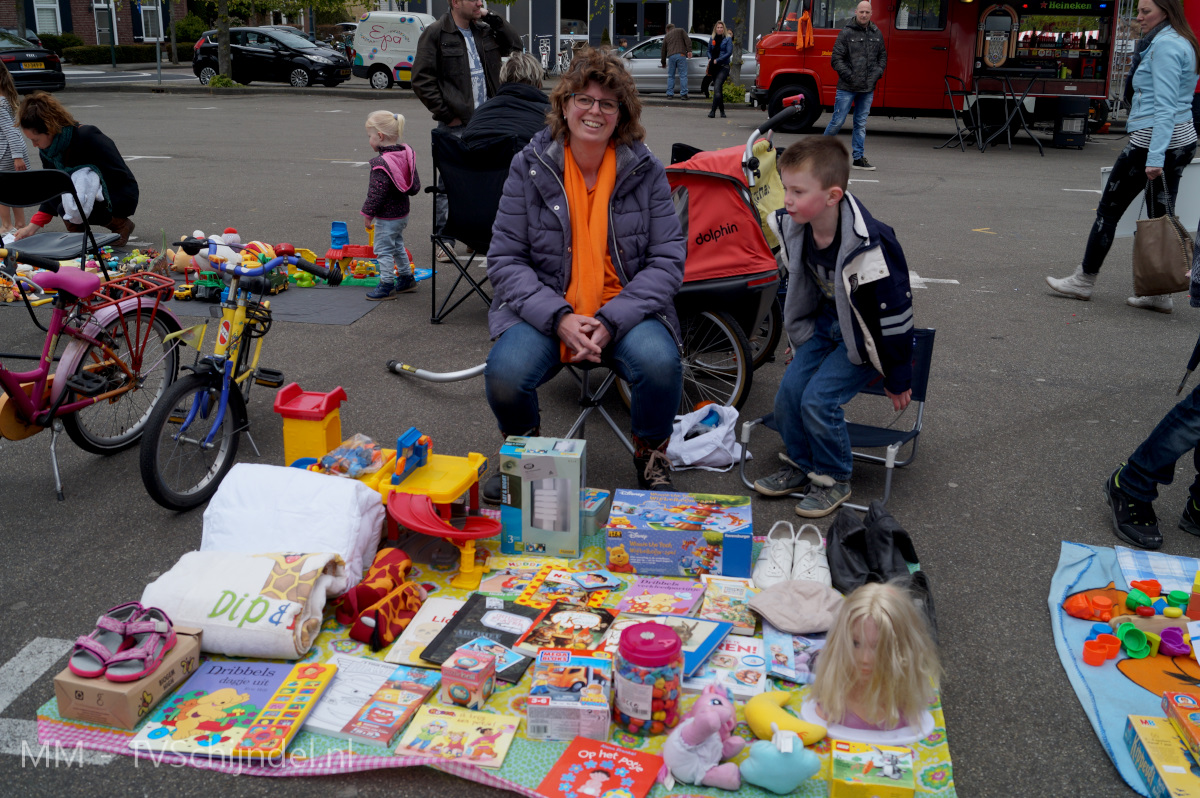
29	36
301	33
385	46
271	55
644	59
33	68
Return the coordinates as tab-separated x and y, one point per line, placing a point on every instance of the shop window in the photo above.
833	13
921	15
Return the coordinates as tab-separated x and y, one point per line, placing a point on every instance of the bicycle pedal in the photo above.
269	378
86	383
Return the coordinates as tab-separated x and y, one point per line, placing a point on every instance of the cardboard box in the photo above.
541	480
569	696
125	704
1161	757
858	770
1183	710
468	679
679	534
593	515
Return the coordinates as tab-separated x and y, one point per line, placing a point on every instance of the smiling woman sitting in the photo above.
586	257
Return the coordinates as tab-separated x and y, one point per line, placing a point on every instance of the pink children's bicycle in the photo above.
121	354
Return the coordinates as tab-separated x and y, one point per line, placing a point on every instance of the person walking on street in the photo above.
676	50
1162	141
457	68
859	58
720	50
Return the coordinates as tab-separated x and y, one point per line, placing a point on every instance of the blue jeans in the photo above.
646	358
677	64
1153	463
389	249
862	107
808	407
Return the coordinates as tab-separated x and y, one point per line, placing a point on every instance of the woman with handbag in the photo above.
1162	141
720	50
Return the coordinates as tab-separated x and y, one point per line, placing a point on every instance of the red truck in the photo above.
1054	48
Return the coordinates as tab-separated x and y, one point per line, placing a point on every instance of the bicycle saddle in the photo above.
60	246
71	280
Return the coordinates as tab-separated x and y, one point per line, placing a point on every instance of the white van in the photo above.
385	44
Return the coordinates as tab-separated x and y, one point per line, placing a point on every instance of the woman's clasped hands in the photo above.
585	336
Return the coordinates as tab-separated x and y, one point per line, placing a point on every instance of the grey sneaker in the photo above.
1162	304
1078	284
823	500
788	479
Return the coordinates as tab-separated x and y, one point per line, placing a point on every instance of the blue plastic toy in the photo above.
412	452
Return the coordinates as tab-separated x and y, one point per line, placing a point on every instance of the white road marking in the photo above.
861	180
335	111
353	163
1085	190
84	72
18	675
203	108
87	106
917	281
151	157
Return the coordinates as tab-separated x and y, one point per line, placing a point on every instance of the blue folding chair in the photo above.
867	436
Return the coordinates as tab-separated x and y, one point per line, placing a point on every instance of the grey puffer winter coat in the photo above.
859	57
529	260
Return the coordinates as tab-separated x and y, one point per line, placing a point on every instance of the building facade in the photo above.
95	21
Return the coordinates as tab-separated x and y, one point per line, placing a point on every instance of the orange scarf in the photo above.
593	281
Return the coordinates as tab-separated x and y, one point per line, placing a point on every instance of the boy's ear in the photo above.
835	195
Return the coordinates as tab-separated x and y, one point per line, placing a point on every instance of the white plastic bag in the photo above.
696	444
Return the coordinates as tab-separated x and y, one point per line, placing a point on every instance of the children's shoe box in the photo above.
125	704
1161	757
679	534
569	696
541	480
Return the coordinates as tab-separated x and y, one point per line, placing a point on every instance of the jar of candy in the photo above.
647	678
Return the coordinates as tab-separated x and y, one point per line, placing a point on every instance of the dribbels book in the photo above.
652	595
592	769
473	738
500	621
434	614
213	709
381	720
280	720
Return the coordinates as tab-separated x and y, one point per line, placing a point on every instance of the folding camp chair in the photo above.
473	180
866	436
25	189
590	400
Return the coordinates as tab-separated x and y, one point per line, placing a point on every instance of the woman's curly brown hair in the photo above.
604	68
42	113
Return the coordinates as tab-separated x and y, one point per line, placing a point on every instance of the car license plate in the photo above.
33	65
344	73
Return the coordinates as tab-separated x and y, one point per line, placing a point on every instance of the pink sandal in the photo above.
94	651
152	636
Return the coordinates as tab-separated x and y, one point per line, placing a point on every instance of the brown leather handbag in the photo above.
1162	250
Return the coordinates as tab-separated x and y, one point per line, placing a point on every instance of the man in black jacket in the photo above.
457	67
859	58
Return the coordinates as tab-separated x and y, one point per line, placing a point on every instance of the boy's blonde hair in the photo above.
824	157
906	662
386	124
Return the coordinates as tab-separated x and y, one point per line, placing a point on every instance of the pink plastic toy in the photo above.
693	752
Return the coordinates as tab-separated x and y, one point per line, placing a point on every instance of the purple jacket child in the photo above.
529	260
393	180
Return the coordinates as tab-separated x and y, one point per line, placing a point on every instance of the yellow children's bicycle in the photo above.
191	439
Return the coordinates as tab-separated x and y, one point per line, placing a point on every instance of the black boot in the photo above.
493	487
653	467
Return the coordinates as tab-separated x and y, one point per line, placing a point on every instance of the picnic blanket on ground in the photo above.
527	761
1122	686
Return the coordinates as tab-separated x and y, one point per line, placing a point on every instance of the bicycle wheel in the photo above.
766	337
177	470
112	425
716	358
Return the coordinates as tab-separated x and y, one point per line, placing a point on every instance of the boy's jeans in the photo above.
646	357
1153	463
389	249
677	64
862	108
808	407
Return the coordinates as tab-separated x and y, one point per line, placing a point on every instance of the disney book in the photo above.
474	738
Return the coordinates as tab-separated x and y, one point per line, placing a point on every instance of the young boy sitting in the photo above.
848	315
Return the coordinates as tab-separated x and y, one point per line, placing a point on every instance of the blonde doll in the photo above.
879	665
12	146
393	180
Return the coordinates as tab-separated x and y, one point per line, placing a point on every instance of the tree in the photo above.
740	34
224	63
21	26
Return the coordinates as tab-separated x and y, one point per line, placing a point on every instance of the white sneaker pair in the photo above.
789	555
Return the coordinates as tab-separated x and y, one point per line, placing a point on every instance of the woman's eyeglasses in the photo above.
584	102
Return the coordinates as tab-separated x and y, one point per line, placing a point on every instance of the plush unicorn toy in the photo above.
693	752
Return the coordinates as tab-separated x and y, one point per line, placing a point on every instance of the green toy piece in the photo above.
1135	599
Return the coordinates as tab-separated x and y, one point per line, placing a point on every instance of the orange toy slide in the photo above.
418	513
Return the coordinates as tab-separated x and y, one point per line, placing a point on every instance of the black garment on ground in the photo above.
517	110
90	147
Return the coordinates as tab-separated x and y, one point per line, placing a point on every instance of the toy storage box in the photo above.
679	534
468	679
539	506
570	695
858	770
1160	756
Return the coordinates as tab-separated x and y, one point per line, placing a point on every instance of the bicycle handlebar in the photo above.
37	261
192	246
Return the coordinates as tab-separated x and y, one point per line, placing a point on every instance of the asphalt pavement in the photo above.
1033	400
